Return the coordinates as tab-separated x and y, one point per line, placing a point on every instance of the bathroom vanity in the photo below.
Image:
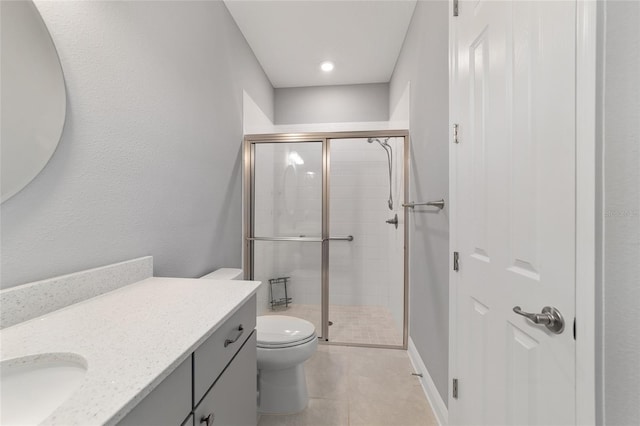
158	351
216	385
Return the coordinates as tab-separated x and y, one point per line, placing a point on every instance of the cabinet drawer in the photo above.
232	400
168	404
213	356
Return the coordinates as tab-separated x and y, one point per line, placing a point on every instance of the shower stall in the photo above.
325	232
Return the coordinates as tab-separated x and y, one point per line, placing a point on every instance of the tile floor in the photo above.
359	386
371	325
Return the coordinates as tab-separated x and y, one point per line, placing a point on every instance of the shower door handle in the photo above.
347	238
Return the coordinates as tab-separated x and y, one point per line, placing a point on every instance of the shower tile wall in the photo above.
365	272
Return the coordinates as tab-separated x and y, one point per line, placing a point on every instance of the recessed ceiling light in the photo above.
327	66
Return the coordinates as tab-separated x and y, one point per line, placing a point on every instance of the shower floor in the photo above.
370	325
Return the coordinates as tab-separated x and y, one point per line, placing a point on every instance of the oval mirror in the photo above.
33	97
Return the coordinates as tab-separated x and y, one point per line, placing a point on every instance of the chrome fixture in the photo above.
550	317
301	239
389	152
439	204
240	331
393	221
208	420
347	238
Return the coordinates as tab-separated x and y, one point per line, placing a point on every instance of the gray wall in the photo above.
618	352
424	62
332	104
149	161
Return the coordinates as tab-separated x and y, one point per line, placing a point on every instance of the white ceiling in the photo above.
291	38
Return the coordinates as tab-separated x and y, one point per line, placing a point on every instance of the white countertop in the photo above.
132	338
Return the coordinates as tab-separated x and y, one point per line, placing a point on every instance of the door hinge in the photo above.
574	328
455	7
454	388
455	133
456	261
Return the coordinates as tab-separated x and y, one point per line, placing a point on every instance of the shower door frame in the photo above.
248	214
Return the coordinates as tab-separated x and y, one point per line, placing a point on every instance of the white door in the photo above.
513	193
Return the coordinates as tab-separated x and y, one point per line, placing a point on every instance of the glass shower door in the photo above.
366	275
326	233
286	228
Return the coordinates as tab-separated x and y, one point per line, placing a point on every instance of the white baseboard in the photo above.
429	387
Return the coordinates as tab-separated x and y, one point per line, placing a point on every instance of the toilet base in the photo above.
282	391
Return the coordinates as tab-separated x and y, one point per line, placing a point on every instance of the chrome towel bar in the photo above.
301	239
439	204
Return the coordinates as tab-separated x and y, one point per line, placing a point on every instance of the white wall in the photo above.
329	104
424	62
618	351
149	161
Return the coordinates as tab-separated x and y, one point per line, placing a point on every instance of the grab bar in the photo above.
439	204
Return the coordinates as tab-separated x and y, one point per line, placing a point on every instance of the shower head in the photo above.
383	144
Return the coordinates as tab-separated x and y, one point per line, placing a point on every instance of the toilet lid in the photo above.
282	330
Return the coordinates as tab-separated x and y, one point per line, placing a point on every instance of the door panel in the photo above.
366	275
479	72
523	370
301	264
515	210
287	228
288	189
478	339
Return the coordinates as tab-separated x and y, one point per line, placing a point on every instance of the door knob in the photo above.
550	318
393	221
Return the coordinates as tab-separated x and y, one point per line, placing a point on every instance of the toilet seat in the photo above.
279	331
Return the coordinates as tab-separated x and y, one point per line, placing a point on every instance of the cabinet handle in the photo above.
236	337
208	420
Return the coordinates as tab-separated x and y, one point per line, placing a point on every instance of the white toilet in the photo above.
284	343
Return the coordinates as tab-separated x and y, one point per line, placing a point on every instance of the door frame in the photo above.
585	273
324	137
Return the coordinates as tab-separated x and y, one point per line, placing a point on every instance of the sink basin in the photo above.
34	386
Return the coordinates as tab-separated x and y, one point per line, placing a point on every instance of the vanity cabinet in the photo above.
210	359
168	404
228	403
216	385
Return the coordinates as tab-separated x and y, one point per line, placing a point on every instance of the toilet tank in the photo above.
224	274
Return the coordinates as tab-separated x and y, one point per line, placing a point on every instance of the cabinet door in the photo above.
216	352
168	404
232	399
